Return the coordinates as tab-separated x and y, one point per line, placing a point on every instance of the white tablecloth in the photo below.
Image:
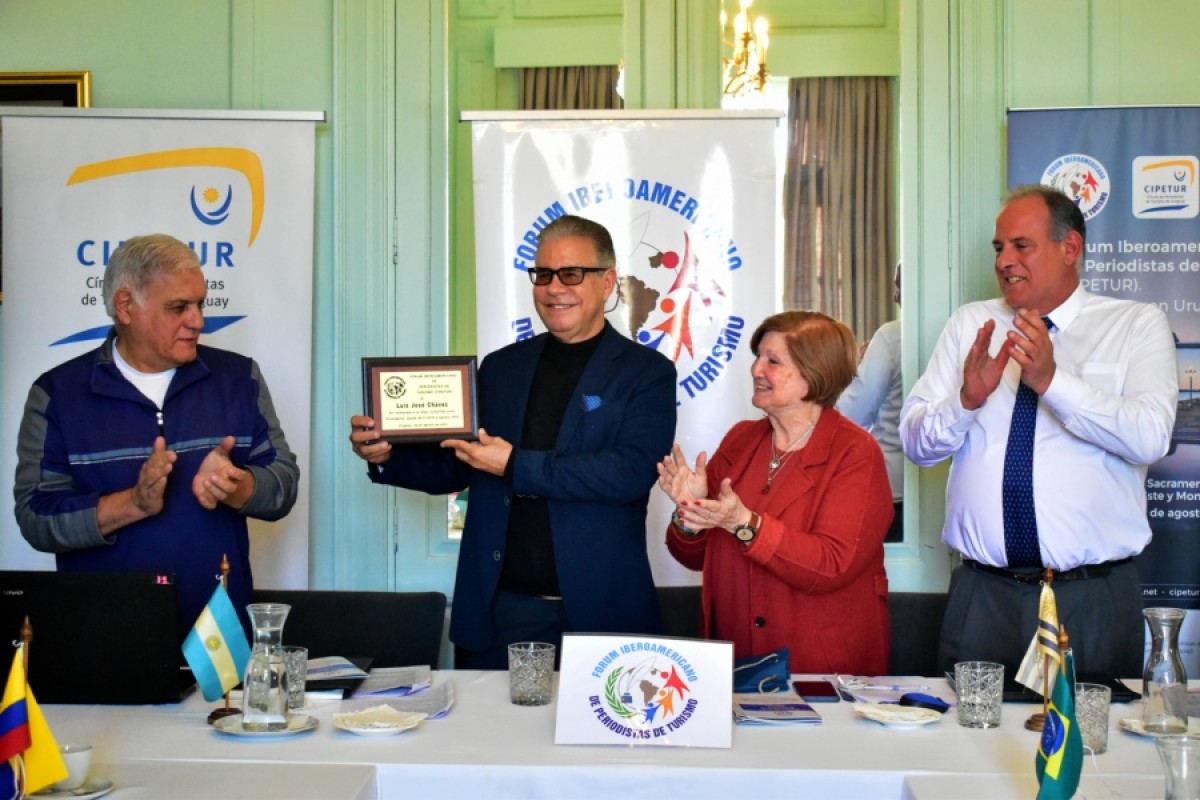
487	747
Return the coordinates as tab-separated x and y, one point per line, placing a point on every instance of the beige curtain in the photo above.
550	88
839	200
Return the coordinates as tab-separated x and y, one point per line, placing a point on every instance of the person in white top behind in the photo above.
1103	376
873	400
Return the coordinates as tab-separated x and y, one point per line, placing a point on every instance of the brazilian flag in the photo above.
1060	751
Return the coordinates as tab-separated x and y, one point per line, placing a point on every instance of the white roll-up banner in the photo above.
692	205
239	191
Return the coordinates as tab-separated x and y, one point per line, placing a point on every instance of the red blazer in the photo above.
813	578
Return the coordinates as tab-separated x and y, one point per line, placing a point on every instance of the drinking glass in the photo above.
1092	703
295	663
1181	763
530	673
980	688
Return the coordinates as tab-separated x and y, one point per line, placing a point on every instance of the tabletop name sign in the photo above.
644	690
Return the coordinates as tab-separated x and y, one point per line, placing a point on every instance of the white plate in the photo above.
297	723
894	716
92	788
380	720
1138	728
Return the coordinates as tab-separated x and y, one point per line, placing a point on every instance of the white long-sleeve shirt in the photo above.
873	400
1107	415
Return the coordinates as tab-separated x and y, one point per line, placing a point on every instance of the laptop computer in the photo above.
106	637
1017	693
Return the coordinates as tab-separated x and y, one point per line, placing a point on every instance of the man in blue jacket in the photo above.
148	453
573	423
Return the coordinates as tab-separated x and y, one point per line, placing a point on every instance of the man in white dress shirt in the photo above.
1104	375
873	400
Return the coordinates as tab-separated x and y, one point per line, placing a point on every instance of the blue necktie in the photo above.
1020	521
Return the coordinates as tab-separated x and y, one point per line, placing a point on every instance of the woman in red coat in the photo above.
787	518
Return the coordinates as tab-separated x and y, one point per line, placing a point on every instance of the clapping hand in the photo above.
1033	350
982	372
218	480
683	484
723	511
151	486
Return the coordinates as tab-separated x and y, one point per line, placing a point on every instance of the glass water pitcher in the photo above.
264	688
1164	681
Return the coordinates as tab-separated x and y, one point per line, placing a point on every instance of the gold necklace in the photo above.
779	459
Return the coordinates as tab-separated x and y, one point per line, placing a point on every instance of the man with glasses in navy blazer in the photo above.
573	422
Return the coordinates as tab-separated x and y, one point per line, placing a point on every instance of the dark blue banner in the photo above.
1133	172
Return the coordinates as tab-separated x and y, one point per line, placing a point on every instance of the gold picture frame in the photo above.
53	89
43	89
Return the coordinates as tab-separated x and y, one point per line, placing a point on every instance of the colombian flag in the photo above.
216	648
25	739
1060	751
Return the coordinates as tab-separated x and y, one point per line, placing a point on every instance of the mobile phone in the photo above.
816	691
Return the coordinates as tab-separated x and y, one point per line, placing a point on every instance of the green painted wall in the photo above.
962	65
394	265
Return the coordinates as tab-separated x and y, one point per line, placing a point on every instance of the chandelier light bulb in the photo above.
745	70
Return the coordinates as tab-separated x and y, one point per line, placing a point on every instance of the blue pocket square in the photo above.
591	402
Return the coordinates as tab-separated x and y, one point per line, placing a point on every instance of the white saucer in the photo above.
1138	728
894	716
92	788
380	720
297	723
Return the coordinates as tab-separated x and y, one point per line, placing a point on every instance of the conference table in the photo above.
486	747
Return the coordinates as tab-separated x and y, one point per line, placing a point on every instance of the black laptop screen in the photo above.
97	637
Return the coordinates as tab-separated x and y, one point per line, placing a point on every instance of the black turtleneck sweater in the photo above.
529	554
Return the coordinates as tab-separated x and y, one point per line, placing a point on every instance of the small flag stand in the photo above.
1059	758
29	757
225	710
26	640
1037	720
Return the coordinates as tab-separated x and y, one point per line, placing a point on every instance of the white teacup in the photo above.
78	758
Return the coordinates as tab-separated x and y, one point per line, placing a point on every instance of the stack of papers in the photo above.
773	709
395	681
333	668
435	702
331	677
859	689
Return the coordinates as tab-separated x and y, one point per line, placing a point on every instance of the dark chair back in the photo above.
916	622
916	619
681	610
396	629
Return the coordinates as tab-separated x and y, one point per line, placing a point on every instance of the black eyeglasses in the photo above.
567	276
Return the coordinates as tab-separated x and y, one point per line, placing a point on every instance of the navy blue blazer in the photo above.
619	423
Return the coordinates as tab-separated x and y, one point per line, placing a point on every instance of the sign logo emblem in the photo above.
1164	187
646	691
1083	179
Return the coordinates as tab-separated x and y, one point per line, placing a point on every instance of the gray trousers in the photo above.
993	618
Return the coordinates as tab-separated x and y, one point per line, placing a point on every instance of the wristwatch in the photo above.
746	533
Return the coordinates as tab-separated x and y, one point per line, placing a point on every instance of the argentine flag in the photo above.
216	648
